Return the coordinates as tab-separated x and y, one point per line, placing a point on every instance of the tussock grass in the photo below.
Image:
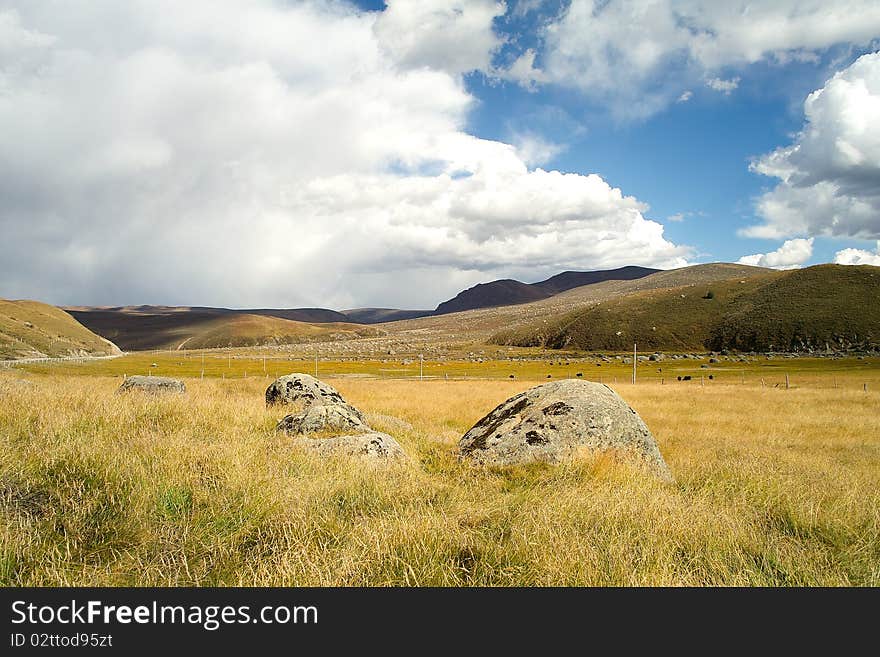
773	487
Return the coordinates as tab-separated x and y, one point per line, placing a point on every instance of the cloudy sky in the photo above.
341	154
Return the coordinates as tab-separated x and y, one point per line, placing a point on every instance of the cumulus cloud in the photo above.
638	56
237	152
858	256
724	86
685	96
791	255
830	176
449	35
534	149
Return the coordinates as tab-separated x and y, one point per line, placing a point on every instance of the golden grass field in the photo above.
773	487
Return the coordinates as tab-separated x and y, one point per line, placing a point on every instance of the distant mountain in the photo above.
825	306
379	315
29	329
508	292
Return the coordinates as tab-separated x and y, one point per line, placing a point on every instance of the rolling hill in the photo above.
826	306
380	315
507	292
29	329
160	327
750	308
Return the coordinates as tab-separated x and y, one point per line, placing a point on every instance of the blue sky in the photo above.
689	161
327	153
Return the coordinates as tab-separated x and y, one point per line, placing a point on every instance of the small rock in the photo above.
301	388
373	445
153	384
314	418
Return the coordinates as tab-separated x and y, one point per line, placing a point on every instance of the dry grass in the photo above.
773	487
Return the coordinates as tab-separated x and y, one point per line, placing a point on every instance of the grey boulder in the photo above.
555	422
320	418
301	389
154	384
373	445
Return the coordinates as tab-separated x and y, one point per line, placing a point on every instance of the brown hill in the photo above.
29	329
160	327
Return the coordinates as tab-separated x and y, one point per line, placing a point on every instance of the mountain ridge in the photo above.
508	291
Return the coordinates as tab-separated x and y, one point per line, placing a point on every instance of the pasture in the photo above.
773	486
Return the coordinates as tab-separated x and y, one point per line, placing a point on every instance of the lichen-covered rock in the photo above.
555	422
373	445
155	384
301	389
341	417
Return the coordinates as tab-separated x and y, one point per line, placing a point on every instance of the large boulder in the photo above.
374	446
320	419
301	389
154	384
557	421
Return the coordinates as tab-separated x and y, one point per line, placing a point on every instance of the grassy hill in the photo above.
29	329
158	327
773	311
252	330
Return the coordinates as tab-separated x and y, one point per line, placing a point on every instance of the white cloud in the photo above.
533	149
685	96
237	152
450	35
724	86
638	56
791	255
858	257
677	217
523	71
830	176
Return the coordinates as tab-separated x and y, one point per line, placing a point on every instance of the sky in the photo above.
338	154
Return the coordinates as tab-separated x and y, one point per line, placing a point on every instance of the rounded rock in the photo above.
374	446
301	389
556	422
320	418
152	384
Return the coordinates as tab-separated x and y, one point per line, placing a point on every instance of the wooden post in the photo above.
635	357
316	366
786	381
865	387
762	382
421	363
